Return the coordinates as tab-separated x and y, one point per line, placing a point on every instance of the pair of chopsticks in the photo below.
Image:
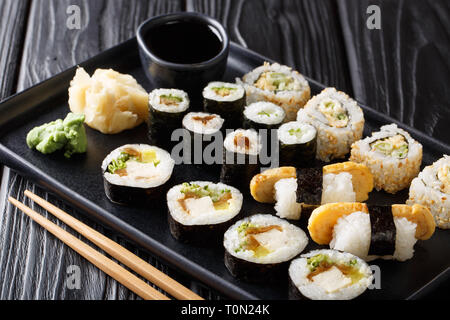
105	264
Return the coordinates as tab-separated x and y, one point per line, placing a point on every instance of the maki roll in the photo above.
200	211
137	174
259	248
227	100
263	115
241	150
328	275
277	84
339	122
432	189
369	231
297	144
167	107
202	128
293	190
393	157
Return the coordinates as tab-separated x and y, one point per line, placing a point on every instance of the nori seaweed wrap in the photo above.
309	186
167	107
137	174
200	212
383	230
226	100
259	248
240	159
297	144
203	129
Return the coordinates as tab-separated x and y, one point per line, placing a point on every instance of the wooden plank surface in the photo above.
304	34
33	264
403	68
14	17
300	33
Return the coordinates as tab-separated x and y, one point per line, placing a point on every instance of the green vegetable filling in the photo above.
321	262
206	191
296	132
223	91
146	156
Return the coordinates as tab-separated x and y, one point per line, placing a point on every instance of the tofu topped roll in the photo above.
432	189
339	122
277	84
328	275
201	211
258	248
393	157
136	174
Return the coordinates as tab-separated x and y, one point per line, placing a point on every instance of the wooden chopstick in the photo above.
105	264
129	259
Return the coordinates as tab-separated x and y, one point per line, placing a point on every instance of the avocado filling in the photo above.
334	112
170	100
119	165
218	196
248	233
277	81
395	146
322	263
223	91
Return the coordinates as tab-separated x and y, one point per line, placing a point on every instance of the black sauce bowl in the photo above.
190	77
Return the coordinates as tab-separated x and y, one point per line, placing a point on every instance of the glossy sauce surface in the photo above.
184	42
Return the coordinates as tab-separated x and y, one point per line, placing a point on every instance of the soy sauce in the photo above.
184	42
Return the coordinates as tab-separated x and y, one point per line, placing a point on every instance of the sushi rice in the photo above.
393	157
264	113
140	174
280	246
201	210
169	100
331	283
339	122
352	234
277	84
432	189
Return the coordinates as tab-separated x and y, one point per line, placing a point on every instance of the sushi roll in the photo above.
369	231
263	115
241	150
167	107
203	128
259	248
339	122
292	189
297	144
277	84
200	212
393	157
432	189
328	275
137	174
227	100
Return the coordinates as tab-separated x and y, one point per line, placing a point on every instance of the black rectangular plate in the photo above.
79	181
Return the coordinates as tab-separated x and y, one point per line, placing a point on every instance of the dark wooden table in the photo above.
401	69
